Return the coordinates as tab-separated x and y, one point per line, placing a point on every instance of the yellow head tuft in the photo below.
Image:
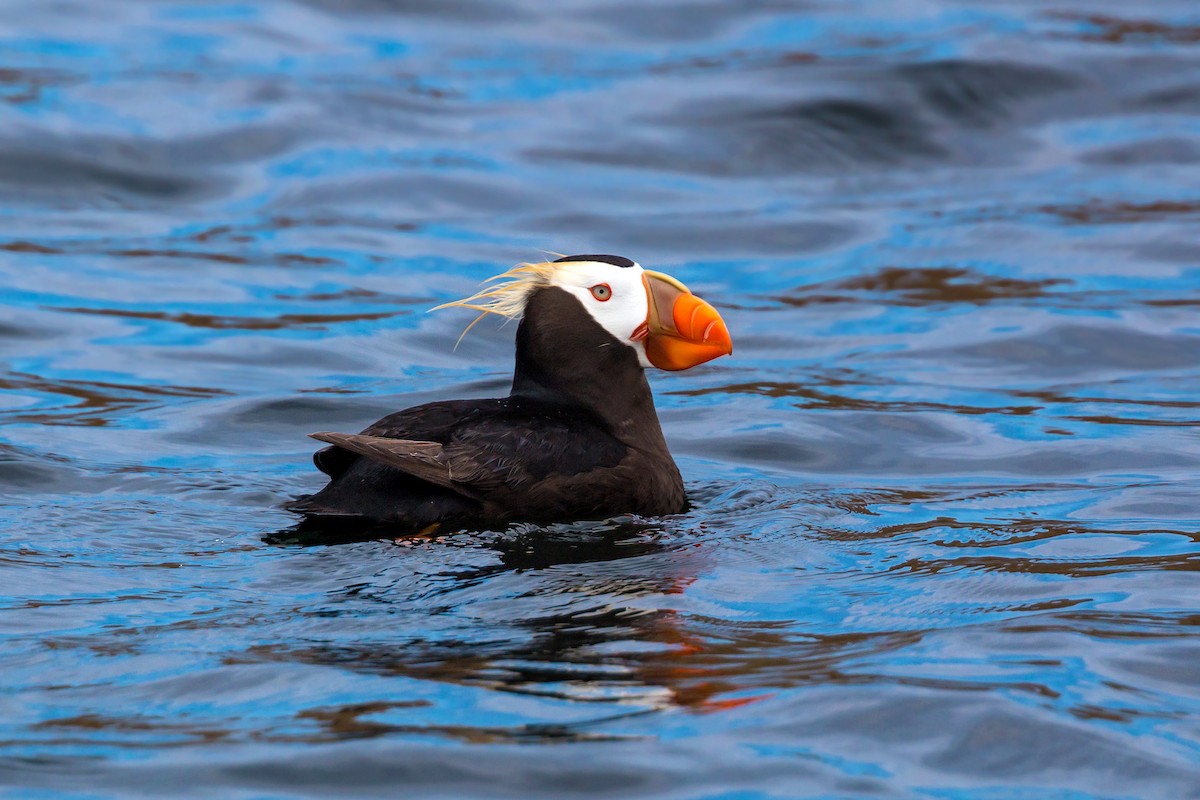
507	296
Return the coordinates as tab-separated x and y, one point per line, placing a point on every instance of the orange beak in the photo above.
681	329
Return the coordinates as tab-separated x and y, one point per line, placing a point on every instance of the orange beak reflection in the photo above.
681	329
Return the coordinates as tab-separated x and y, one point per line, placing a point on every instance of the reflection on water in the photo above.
589	641
944	526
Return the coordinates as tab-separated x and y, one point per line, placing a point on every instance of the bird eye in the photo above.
602	292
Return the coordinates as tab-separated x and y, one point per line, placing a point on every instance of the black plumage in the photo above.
577	438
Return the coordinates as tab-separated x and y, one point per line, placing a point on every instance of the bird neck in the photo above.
565	356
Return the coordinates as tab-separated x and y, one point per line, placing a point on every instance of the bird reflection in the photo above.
610	635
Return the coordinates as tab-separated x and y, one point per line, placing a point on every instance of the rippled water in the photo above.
944	541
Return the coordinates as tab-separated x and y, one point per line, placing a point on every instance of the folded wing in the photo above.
425	460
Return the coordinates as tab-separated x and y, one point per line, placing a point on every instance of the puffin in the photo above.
576	438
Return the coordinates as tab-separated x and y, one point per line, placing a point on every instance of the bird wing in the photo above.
485	451
428	461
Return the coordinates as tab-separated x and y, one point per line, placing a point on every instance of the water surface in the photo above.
944	541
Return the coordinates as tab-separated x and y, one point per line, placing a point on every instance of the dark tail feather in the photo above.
313	506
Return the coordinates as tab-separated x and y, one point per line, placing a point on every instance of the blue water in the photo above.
945	525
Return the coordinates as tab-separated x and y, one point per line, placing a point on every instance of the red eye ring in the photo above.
602	292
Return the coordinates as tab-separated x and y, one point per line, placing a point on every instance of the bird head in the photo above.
669	327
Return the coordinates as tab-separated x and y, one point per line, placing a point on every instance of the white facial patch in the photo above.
621	310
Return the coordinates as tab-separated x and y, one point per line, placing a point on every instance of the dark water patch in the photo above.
754	141
24	469
617	769
22	474
22	331
87	171
332	390
1158	151
1069	568
294	413
472	10
931	445
1108	419
682	20
922	285
241	253
816	399
1059	397
421	196
735	60
807	132
1103	625
1175	303
236	236
243	144
1117	212
1176	99
1115	763
1169	251
28	174
733	235
214	322
26	86
1102	28
914	116
130	732
978	92
78	402
1073	350
404	105
347	723
29	247
272	354
358	295
223	258
281	259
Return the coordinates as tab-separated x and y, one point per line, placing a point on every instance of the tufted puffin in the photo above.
576	438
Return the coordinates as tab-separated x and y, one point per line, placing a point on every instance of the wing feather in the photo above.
425	460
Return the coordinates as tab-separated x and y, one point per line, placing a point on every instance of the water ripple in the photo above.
943	533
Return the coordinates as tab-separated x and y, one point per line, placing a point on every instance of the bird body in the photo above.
577	437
